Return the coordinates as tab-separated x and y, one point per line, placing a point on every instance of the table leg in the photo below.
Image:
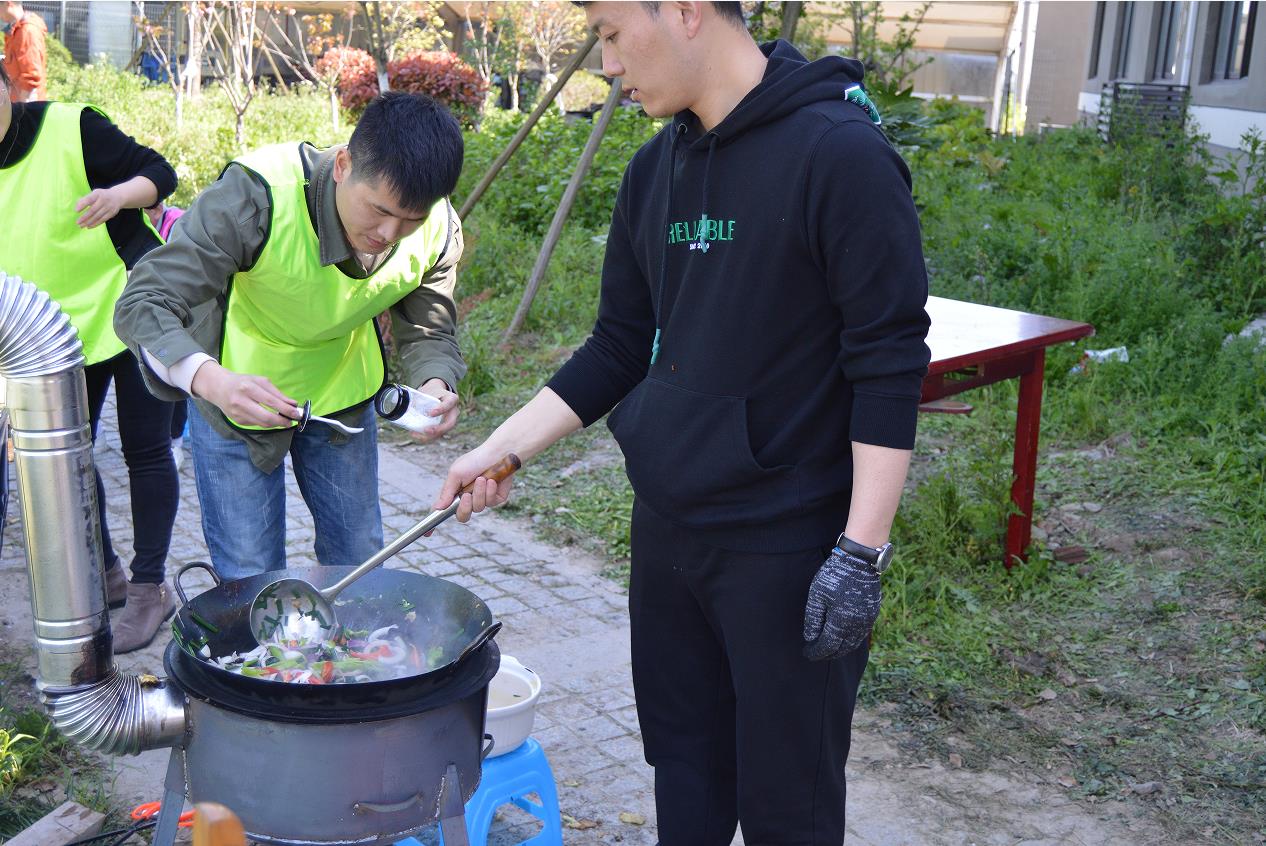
1028	422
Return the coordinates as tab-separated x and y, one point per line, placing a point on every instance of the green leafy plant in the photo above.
11	744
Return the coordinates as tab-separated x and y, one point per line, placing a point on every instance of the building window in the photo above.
1096	39
1236	22
1121	47
1170	32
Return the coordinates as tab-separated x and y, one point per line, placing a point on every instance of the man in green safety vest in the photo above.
264	299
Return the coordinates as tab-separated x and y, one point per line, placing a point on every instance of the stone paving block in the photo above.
626	748
533	597
568	711
598	728
599	608
611	700
506	605
626	717
573	592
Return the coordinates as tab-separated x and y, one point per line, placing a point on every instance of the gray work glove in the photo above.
843	605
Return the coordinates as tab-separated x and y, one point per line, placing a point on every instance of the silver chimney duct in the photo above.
41	361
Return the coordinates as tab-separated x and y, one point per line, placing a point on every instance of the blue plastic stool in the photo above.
508	779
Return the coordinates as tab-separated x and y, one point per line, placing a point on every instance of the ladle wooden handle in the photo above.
503	469
499	471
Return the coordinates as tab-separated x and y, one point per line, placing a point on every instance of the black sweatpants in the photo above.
145	434
738	725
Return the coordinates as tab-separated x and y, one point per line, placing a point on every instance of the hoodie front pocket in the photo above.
688	456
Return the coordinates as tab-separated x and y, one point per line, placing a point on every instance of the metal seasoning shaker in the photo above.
406	407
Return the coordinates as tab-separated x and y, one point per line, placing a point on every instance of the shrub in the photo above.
585	90
345	64
528	190
441	75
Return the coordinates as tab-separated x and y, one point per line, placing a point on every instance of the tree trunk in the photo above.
239	129
383	85
333	107
790	19
192	76
180	108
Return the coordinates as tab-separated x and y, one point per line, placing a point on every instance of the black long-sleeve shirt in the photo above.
110	157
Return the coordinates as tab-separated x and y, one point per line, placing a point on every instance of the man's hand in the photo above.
98	206
447	412
843	605
486	493
246	400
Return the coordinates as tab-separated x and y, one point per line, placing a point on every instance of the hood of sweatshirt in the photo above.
790	82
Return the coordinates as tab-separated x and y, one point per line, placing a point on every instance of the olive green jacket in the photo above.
173	305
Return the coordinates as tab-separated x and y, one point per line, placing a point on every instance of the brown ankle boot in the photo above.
148	607
116	586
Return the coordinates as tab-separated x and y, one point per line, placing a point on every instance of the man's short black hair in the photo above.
730	11
411	142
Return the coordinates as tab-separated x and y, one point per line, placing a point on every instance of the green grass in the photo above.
39	769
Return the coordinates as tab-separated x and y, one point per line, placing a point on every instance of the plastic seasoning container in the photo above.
406	407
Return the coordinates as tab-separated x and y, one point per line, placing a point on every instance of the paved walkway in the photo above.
569	624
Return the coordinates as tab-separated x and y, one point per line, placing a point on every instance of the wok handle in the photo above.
501	470
488	747
480	639
383	808
199	565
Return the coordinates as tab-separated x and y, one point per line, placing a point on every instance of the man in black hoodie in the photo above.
761	328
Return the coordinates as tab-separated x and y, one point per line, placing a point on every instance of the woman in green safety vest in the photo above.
72	187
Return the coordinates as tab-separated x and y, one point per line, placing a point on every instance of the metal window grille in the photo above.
1131	107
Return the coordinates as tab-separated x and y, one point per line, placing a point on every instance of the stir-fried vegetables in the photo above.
352	656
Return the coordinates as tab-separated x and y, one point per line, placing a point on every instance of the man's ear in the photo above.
342	166
691	16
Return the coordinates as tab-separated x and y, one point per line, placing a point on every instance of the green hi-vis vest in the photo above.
309	328
41	242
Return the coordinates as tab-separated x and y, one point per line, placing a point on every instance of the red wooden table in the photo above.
974	345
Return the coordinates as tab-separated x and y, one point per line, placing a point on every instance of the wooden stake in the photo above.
510	149
564	208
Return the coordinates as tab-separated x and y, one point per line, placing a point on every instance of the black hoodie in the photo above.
762	306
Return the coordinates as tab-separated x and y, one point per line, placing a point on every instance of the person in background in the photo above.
25	56
73	187
163	217
760	336
265	298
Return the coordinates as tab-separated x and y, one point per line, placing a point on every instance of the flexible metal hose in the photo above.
41	362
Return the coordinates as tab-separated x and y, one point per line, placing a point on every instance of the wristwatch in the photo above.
878	558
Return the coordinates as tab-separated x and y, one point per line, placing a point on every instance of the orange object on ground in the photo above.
26	59
216	825
147	810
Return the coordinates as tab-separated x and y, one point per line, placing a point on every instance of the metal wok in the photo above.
443	614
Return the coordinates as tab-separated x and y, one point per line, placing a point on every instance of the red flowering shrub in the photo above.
437	74
345	64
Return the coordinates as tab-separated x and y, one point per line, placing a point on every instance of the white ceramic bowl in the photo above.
512	696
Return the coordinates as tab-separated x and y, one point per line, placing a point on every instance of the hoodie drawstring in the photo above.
668	215
701	243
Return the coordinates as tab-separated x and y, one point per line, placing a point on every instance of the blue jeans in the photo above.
244	508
